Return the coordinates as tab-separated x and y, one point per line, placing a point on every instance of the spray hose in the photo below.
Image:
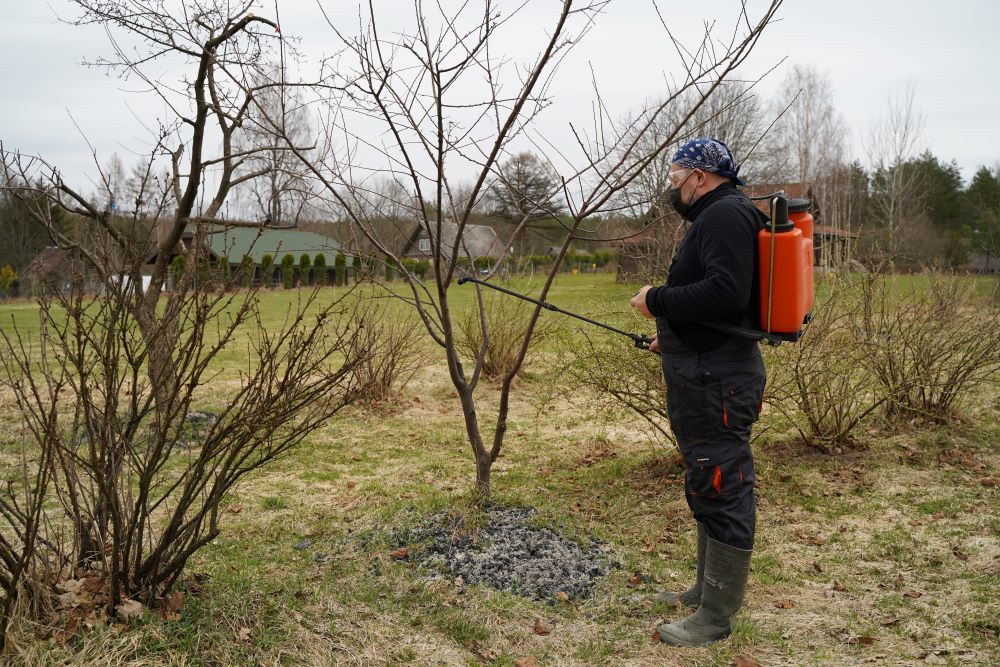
641	342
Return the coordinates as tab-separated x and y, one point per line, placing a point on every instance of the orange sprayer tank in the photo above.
800	215
786	284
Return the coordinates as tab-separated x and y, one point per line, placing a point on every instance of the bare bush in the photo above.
622	378
929	342
494	334
391	351
819	384
138	495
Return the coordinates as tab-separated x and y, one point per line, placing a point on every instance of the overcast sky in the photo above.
948	51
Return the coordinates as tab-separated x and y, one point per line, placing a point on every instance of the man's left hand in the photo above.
639	302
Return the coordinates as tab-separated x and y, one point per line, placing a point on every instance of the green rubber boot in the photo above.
692	596
723	586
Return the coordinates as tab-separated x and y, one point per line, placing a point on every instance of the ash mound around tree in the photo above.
510	554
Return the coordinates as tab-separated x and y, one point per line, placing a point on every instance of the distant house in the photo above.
56	270
235	243
477	240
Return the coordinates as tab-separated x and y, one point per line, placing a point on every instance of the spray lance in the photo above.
641	342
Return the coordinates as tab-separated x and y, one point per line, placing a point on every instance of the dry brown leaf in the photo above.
817	567
541	627
818	541
400	554
744	661
562	597
68	632
913	594
129	609
243	634
528	661
784	604
867	641
174	601
236	508
839	587
351	485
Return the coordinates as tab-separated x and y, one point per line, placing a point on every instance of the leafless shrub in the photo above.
819	383
929	341
623	378
138	496
505	322
390	352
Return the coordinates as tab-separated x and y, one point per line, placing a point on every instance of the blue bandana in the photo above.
708	155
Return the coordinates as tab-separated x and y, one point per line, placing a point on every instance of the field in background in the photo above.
886	553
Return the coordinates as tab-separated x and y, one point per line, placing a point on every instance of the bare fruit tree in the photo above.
432	103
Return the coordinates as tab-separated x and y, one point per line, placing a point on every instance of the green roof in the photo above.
236	242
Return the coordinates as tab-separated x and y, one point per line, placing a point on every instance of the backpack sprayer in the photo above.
786	280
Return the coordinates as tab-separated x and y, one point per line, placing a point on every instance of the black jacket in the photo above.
712	277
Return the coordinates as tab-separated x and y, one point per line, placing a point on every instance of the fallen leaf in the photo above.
562	597
236	509
867	641
818	541
889	621
744	661
400	554
913	594
526	662
839	587
818	567
784	604
243	634
959	554
541	627
656	636
68	632
355	458
351	485
129	609
174	601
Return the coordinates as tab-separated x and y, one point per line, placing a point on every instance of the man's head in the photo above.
700	166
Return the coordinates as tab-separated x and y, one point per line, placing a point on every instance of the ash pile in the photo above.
510	554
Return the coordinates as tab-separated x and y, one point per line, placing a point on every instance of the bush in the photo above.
356	266
622	377
319	266
267	271
177	265
305	274
819	383
288	271
340	269
506	324
391	351
930	342
246	270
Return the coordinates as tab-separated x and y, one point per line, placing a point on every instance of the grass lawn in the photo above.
888	553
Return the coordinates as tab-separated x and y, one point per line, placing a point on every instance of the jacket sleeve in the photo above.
726	246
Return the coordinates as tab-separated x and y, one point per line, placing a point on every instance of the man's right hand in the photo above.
655	345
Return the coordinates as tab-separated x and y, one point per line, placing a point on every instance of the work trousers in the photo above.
713	400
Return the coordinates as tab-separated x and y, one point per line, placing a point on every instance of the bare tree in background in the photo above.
445	102
280	195
897	192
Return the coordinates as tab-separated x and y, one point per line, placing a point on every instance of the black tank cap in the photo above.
799	205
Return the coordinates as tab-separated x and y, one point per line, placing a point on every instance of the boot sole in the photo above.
673	641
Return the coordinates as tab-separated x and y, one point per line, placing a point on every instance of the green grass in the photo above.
354	488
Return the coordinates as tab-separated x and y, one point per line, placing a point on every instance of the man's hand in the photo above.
655	345
639	302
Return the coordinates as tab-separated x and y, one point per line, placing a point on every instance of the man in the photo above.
715	381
